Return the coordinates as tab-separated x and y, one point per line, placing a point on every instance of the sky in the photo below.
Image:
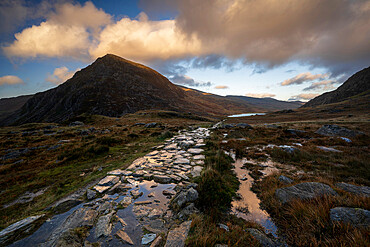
288	50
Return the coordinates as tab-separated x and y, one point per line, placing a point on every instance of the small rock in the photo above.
109	181
143	202
76	123
127	200
285	180
150	125
101	189
185	196
345	139
357	217
326	149
161	179
103	226
199	157
195	150
117	172
168	192
157	241
262	238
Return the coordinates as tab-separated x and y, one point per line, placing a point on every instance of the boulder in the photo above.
357	217
187	211
335	130
355	189
177	236
307	190
150	125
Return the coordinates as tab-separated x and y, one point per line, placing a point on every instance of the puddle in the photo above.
250	200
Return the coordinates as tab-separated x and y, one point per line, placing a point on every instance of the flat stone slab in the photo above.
171	147
181	161
23	225
101	189
357	217
109	181
195	150
355	189
162	179
307	190
117	172
177	236
199	157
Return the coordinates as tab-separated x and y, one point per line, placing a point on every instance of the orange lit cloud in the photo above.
60	75
303	77
10	80
221	87
260	95
304	96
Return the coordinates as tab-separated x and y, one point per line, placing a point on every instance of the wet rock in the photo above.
170	147
127	200
358	190
177	236
168	192
195	150
69	238
151	194
101	189
143	202
148	238
335	130
162	179
136	193
326	149
109	181
285	180
141	210
185	196
90	194
105	208
307	190
13	231
155	214
124	237
119	187
262	238
357	217
103	226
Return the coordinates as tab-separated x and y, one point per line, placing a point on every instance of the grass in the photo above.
307	223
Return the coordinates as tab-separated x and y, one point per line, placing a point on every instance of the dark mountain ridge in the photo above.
113	86
357	84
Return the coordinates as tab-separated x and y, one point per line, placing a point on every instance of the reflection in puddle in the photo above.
248	207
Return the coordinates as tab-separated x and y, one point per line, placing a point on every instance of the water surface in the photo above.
247	114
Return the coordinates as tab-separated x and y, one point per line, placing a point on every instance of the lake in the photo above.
246	114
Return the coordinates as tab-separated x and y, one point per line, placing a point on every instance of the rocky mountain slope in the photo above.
357	85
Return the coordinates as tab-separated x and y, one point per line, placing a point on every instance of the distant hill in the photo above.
113	86
268	104
357	85
9	105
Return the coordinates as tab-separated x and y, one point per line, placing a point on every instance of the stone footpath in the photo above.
151	199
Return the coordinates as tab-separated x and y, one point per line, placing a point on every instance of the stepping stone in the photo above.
148	238
101	189
109	181
162	179
181	161
127	200
195	150
117	172
199	157
171	147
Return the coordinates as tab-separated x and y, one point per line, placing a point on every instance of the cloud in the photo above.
221	87
188	81
321	85
260	95
10	80
303	96
65	33
333	34
60	75
303	77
